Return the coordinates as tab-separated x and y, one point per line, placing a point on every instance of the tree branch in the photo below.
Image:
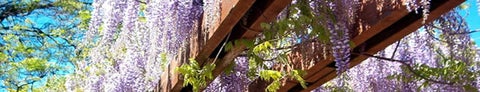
410	68
396	47
140	1
11	10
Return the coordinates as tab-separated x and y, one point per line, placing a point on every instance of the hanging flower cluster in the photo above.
433	47
414	5
126	39
234	81
339	32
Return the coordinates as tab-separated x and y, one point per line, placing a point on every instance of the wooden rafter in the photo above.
232	12
372	42
391	26
261	11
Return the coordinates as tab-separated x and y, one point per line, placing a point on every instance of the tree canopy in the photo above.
39	38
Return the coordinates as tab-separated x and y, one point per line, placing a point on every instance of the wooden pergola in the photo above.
377	29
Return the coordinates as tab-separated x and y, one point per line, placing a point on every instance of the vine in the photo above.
303	22
195	75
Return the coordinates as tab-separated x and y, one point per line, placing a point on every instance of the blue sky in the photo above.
39	21
473	19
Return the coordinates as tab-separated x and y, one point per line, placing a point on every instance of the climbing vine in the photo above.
196	75
303	22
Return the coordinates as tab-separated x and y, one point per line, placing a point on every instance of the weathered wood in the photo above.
322	80
229	19
262	11
389	35
371	20
227	23
170	78
201	43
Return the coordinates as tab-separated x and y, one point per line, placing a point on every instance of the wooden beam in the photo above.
230	14
262	11
407	25
229	20
368	27
371	21
322	80
391	34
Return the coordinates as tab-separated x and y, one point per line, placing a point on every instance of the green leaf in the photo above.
297	75
228	46
390	77
274	86
84	15
229	68
142	19
9	37
58	32
196	75
270	74
17	27
282	26
35	64
163	61
36	78
268	34
464	6
352	44
143	6
209	70
280	29
265	26
194	63
469	88
28	21
247	43
3	57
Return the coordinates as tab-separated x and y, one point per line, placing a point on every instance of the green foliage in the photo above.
464	6
54	83
270	75
276	76
22	75
470	88
273	75
299	25
84	16
453	72
69	5
196	75
163	59
229	69
3	58
34	64
455	61
297	75
37	40
263	48
247	43
228	46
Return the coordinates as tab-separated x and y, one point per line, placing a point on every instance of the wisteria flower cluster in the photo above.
126	39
